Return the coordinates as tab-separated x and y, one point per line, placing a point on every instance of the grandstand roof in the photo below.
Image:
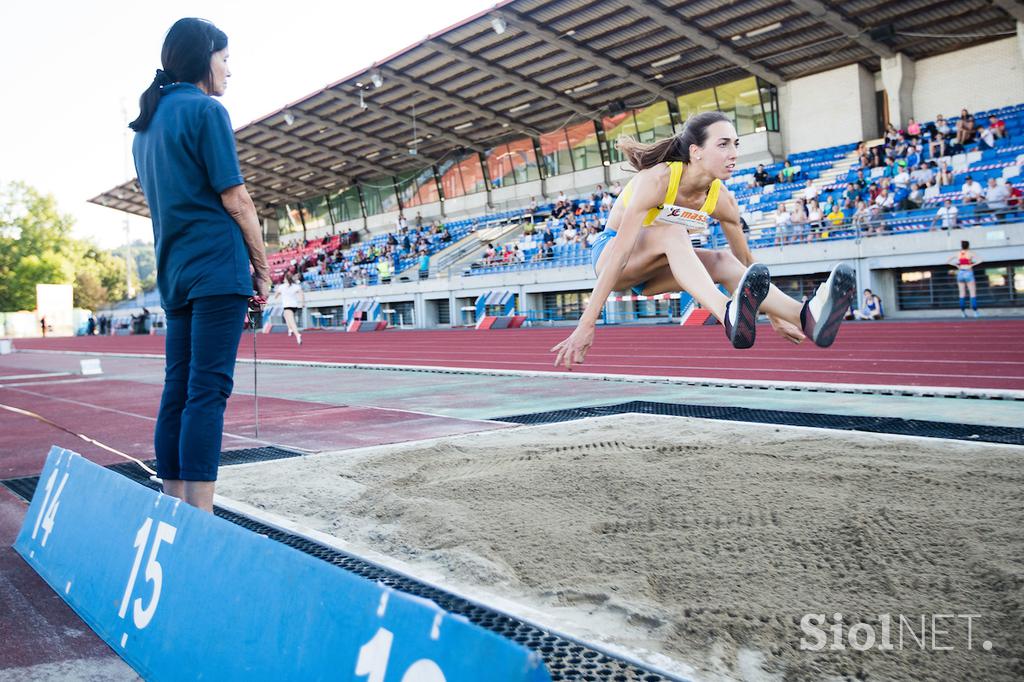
563	61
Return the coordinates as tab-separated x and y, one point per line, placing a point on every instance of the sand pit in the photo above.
701	541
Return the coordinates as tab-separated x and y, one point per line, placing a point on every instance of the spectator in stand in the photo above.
862	216
1016	198
891	168
871	307
997	126
569	233
418	220
810	191
873	192
878	157
783	225
937	146
532	208
761	177
815	218
965	262
606	202
947	214
913	157
902	178
986	140
616	189
996	196
884	200
490	254
892	135
562	198
915	199
861	182
798	220
850	195
922	175
942	126
383	270
944	175
836	216
971	190
788	172
913	130
964	128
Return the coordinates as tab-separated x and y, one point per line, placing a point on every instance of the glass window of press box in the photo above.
644	125
379	196
461	176
751	104
554	147
417	187
584	145
346	205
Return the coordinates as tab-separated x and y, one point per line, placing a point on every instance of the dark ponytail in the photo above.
186	59
676	148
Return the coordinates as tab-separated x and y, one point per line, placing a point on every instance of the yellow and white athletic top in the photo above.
668	212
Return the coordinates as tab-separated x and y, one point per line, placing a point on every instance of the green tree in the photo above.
35	247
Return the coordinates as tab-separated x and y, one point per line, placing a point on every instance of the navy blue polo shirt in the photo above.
184	160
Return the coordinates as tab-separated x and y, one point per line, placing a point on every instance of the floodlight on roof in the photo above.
376	78
499	25
289	117
362	103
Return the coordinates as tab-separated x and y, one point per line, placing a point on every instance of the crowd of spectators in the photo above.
359	265
914	165
569	222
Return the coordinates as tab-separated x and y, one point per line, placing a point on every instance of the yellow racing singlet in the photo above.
668	211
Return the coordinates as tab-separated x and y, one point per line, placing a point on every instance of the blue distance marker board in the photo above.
181	594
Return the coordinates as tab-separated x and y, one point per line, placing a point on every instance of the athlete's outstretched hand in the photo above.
574	348
786	330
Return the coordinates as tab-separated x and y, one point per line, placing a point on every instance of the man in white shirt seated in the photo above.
922	175
902	177
946	215
971	190
996	195
810	191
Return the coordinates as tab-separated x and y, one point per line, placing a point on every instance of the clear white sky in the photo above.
69	66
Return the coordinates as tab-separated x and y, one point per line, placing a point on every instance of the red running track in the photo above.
964	354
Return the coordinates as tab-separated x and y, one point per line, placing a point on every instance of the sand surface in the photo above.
705	542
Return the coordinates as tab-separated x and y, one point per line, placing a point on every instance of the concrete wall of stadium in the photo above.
876	259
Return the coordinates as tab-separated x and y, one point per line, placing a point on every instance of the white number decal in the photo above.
48	512
142	615
373	661
154	574
423	670
373	656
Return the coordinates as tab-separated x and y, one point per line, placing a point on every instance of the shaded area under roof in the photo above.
469	73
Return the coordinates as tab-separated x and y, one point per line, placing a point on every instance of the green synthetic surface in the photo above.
482	396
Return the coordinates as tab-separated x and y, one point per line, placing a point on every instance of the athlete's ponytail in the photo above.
186	59
675	148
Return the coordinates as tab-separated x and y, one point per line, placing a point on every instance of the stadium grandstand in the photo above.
483	158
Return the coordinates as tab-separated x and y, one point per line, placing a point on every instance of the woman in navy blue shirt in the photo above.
207	233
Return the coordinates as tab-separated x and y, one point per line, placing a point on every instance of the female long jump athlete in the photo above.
646	245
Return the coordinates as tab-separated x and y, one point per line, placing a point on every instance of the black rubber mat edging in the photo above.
891	425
